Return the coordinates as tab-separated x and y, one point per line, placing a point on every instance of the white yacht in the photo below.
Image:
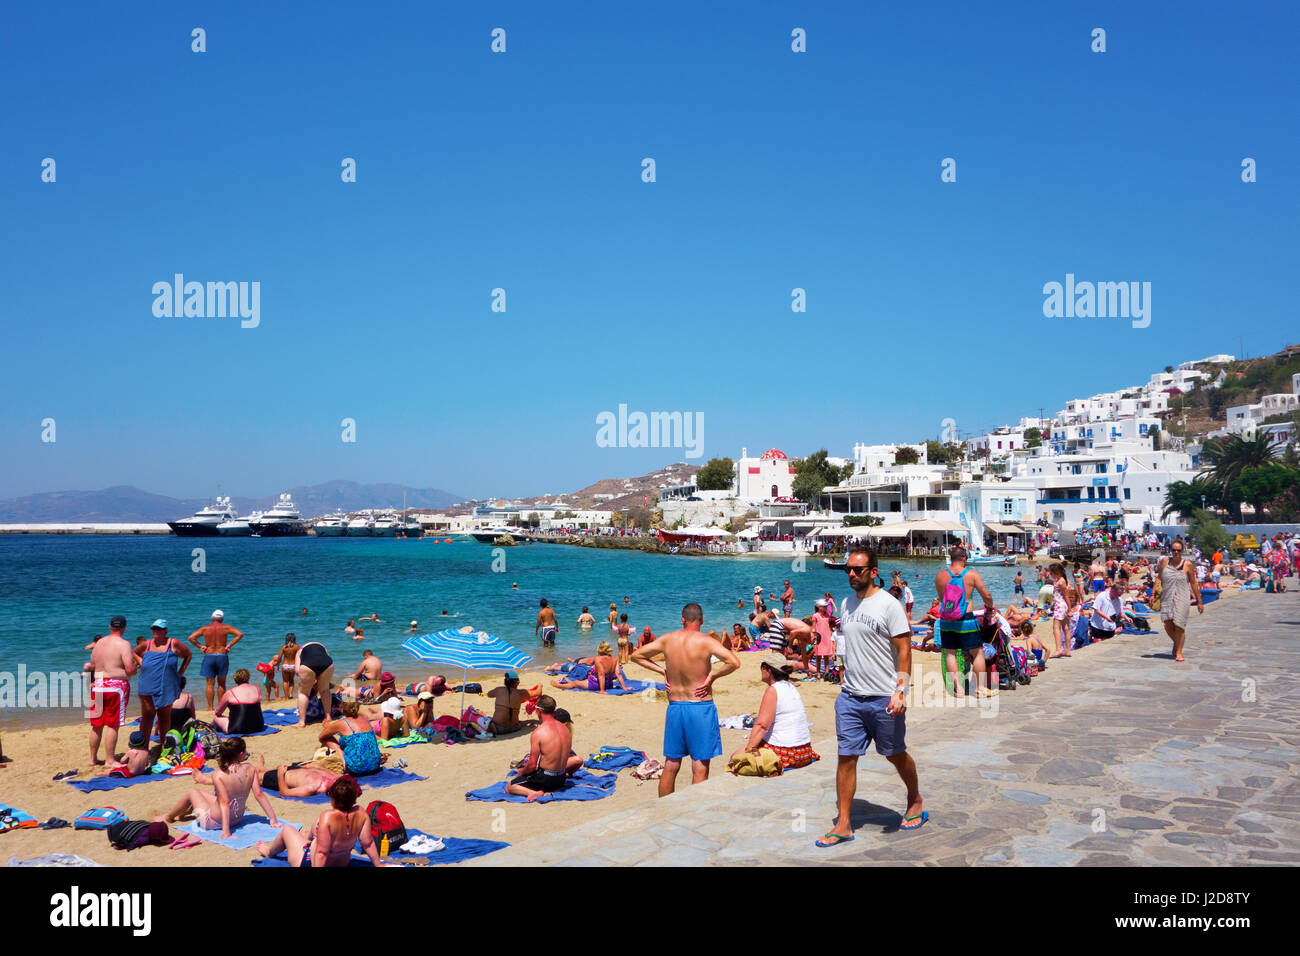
282	521
203	523
386	526
238	527
331	526
411	528
361	527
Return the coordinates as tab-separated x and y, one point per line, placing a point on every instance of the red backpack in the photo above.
385	821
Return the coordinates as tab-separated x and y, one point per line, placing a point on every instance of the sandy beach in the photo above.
436	805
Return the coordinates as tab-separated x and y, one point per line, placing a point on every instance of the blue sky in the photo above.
522	170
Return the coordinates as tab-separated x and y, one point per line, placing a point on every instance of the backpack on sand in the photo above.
385	821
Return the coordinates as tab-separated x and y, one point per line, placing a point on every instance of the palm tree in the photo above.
1229	458
1182	497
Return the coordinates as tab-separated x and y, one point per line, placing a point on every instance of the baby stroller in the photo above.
1010	675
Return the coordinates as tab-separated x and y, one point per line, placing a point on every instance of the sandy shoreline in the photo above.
436	805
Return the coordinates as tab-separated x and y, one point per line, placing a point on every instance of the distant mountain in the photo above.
609	494
128	504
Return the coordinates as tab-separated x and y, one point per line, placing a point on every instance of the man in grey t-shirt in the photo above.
876	645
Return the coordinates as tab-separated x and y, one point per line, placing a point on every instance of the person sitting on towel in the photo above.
509	698
330	840
420	714
575	762
392	722
137	760
782	724
353	736
234	781
244	701
548	756
565	666
604	673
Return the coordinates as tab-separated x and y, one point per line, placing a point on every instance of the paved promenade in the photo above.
1117	756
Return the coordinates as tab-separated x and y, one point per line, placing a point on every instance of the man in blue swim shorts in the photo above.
691	726
876	643
216	644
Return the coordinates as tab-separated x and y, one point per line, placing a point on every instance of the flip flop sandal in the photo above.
835	839
924	817
65	774
185	842
54	823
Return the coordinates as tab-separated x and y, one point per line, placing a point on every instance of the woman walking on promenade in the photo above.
1061	639
1177	588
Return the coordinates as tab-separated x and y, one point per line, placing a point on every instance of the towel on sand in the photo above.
386	777
112	783
583	785
633	687
455	851
614	758
244	836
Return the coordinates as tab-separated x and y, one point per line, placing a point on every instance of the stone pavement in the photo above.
1117	756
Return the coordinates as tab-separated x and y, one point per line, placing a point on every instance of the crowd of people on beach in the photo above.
863	643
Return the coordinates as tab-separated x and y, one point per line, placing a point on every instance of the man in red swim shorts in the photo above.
112	662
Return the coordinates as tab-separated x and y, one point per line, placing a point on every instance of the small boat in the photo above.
1005	560
830	564
489	535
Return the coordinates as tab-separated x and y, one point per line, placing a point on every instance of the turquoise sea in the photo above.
58	591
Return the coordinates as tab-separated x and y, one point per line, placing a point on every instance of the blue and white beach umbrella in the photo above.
466	648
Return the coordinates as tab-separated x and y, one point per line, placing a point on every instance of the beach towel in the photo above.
614	758
243	836
385	777
112	783
12	819
633	687
414	737
455	850
736	722
583	785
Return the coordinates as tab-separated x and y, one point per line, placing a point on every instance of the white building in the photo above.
770	475
1064	439
1112	475
875	458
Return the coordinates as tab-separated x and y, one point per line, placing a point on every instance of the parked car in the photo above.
1245	542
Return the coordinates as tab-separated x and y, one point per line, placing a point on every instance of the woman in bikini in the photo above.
601	677
336	831
287	661
624	642
233	780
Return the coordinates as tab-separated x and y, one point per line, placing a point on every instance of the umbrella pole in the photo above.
460	718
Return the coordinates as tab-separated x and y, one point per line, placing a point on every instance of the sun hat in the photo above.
218	615
160	623
392	707
414	623
758	589
387	677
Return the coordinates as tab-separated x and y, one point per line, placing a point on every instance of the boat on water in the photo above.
1005	560
238	527
489	535
386	526
830	564
361	527
331	526
282	521
204	522
410	528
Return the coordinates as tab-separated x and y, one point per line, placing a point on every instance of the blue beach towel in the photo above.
1141	608
583	785
113	783
633	687
243	837
386	777
456	850
614	758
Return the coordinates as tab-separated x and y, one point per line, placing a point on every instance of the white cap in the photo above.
218	616
414	623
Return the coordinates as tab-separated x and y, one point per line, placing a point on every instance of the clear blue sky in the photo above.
522	171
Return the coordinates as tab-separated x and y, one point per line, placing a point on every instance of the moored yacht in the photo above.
386	526
331	526
361	527
237	527
282	521
203	523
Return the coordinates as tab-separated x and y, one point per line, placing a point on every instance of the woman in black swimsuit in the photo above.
240	709
315	670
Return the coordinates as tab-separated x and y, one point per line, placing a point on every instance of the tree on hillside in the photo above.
938	454
717	475
906	456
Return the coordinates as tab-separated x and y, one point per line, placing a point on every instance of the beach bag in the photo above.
133	834
315	711
100	818
386	822
648	770
205	736
473	688
1141	624
759	763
